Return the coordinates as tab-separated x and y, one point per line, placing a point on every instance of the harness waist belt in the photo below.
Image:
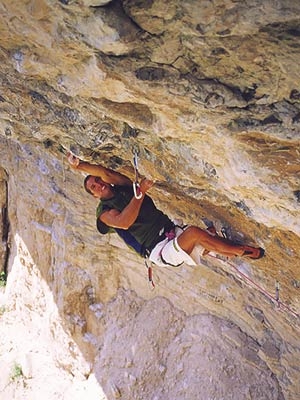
163	234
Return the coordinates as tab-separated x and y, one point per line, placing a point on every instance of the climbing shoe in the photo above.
253	252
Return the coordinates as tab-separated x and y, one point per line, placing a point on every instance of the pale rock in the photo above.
95	3
207	93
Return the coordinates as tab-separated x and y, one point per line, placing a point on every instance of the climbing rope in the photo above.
275	298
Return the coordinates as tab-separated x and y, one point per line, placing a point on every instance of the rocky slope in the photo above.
207	93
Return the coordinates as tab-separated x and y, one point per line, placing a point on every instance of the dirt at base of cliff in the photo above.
189	357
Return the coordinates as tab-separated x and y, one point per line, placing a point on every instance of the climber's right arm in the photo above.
106	174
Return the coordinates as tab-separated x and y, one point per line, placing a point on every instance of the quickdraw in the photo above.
138	195
275	299
150	273
136	186
277	288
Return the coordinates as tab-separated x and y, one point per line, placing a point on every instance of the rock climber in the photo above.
147	229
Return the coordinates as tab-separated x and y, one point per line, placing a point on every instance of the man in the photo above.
152	233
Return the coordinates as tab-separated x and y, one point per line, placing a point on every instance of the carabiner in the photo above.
136	186
137	190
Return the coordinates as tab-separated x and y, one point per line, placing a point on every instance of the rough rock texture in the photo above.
208	94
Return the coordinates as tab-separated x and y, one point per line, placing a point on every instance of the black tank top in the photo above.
150	221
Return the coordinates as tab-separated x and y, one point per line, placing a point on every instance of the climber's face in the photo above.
98	188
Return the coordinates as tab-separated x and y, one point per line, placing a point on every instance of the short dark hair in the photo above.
85	184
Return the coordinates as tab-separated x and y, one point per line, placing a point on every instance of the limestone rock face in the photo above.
208	95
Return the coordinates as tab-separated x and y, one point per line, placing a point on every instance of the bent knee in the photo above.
191	237
195	231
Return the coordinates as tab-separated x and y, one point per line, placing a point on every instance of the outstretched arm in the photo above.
106	174
129	214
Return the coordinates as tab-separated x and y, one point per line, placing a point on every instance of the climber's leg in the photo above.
194	235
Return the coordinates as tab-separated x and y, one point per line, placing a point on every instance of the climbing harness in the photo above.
165	236
136	186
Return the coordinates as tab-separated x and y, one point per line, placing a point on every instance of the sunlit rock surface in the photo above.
208	94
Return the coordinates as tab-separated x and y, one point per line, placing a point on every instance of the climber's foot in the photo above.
253	252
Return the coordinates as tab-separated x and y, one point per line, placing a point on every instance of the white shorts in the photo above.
169	253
